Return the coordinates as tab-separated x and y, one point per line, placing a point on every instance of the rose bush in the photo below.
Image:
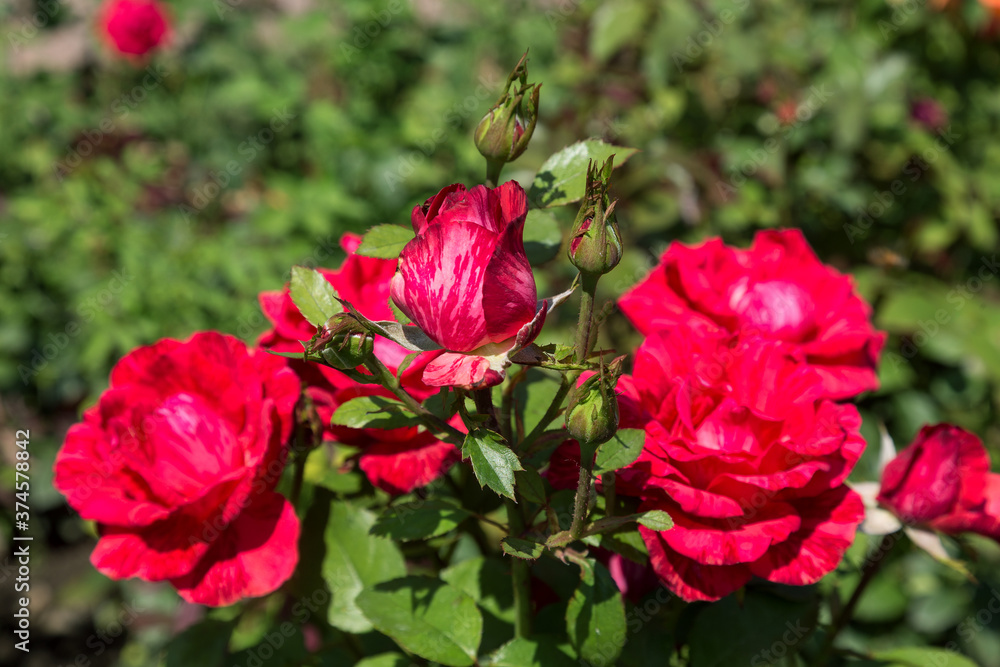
746	455
134	27
177	464
777	289
397	460
466	282
943	481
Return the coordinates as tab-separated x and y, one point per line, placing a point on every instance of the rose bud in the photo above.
943	481
592	415
595	246
133	28
466	282
349	350
504	132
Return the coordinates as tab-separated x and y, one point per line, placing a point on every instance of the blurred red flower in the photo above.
177	464
134	27
397	460
776	289
943	481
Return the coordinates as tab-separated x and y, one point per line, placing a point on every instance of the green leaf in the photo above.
374	412
518	548
656	520
595	616
619	451
427	617
284	644
487	581
542	237
616	24
201	645
385	660
442	405
752	628
355	559
397	314
922	656
492	460
419	520
314	296
531	484
539	651
563	177
384	241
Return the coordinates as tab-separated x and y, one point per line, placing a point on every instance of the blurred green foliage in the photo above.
144	202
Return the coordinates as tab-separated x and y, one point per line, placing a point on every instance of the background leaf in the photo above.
374	412
426	616
314	296
595	617
563	177
384	241
355	559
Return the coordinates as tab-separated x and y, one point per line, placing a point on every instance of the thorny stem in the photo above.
555	408
585	339
581	500
440	429
520	575
871	567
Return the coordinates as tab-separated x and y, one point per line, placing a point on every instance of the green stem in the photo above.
520	575
585	338
871	567
493	169
608	484
507	404
440	429
483	398
582	499
555	408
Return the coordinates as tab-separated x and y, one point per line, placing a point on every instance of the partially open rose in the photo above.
466	282
396	460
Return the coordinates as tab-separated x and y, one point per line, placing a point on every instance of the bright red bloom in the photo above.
466	282
135	27
177	464
943	481
749	460
776	289
397	460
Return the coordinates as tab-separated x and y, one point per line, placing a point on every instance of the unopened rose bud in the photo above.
592	415
595	245
504	132
348	350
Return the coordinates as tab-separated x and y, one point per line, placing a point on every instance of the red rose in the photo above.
466	282
943	481
777	289
134	27
749	460
177	464
398	460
